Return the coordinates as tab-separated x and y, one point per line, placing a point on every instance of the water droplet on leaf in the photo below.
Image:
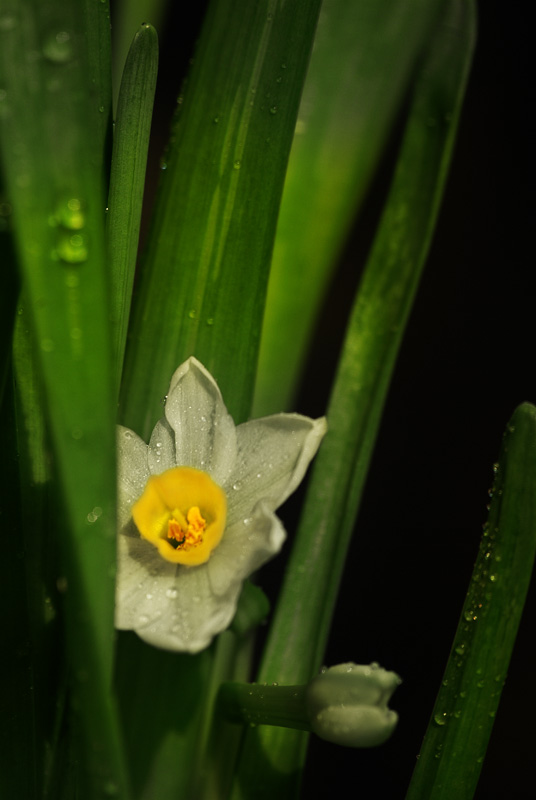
58	48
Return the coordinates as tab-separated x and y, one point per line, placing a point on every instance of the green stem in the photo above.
256	704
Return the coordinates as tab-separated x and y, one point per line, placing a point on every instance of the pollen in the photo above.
189	533
182	512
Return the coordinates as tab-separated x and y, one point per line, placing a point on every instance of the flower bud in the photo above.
347	704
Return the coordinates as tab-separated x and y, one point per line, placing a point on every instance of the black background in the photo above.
466	362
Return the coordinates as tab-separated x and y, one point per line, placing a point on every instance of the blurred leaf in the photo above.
462	720
95	24
162	726
53	151
364	57
272	757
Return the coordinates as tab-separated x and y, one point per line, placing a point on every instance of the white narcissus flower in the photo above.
196	510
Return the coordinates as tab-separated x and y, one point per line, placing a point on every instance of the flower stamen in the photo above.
186	534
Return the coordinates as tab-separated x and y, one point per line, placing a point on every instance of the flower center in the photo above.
186	533
182	512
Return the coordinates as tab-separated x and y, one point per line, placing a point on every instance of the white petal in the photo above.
168	606
161	453
245	547
143	578
273	456
205	436
133	471
190	621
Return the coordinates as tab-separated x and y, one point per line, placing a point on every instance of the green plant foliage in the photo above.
356	83
203	278
202	289
457	737
127	178
55	186
91	714
299	631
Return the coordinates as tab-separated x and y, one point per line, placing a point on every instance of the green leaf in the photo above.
361	66
271	756
457	736
162	726
128	16
96	26
54	181
127	178
203	278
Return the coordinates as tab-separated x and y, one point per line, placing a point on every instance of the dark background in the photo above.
463	368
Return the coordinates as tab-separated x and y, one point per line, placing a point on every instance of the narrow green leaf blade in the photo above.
300	628
96	27
462	720
128	16
127	178
363	60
